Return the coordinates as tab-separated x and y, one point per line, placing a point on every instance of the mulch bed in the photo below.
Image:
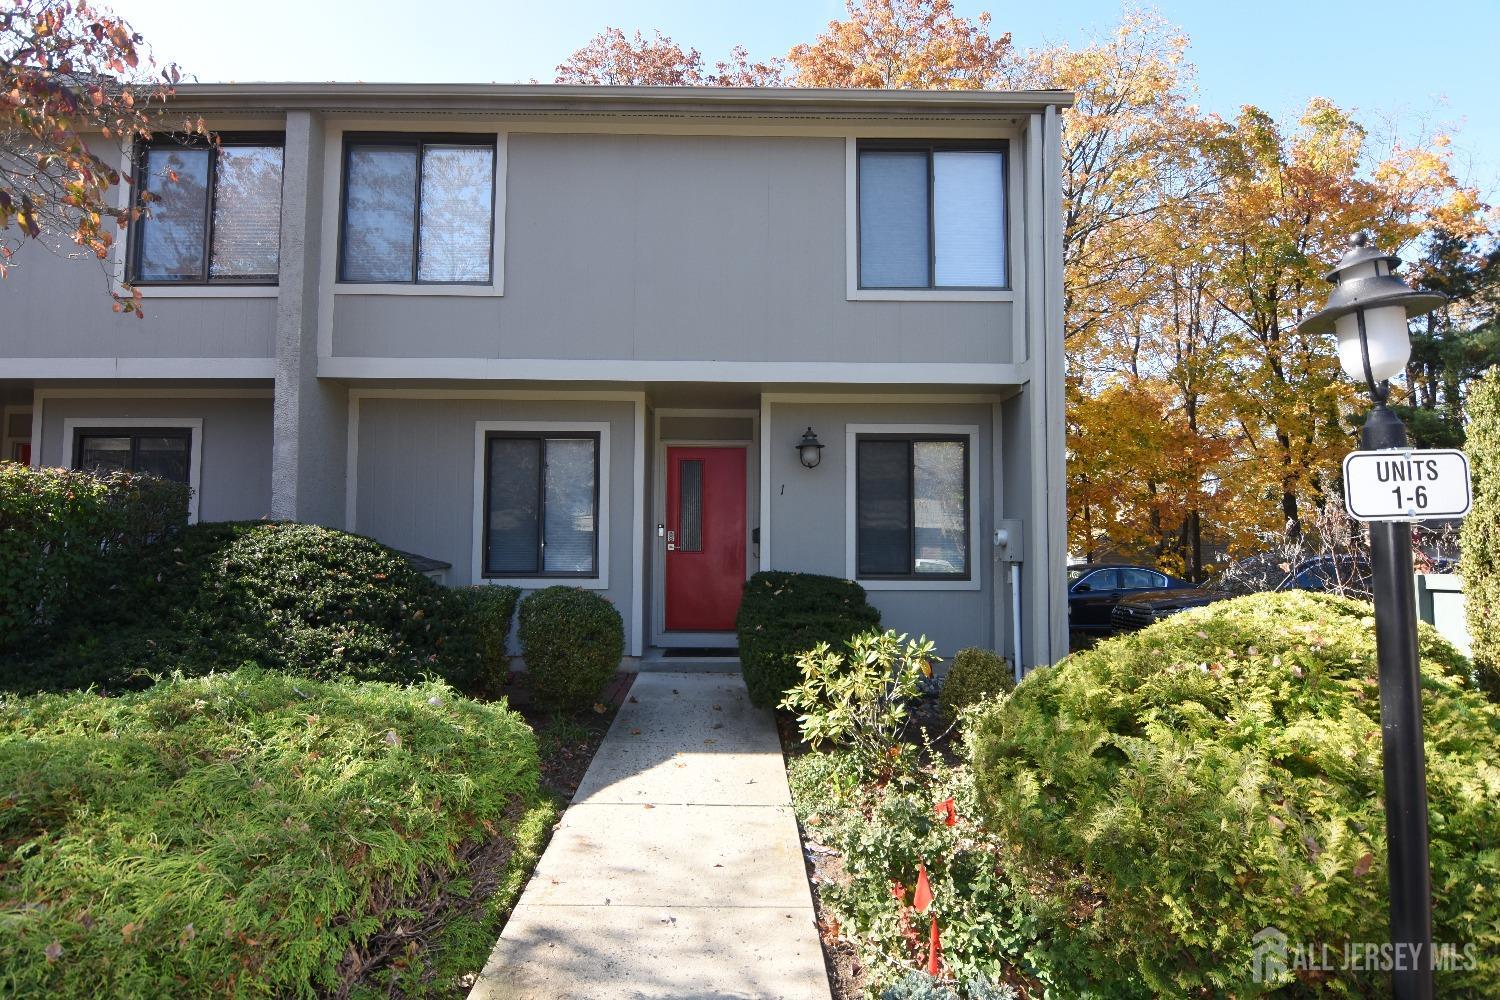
567	743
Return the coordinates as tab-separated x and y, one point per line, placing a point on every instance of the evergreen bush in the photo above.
976	674
1480	534
1172	792
257	834
60	529
572	640
783	615
487	612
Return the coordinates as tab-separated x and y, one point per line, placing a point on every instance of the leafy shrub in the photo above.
285	596
572	640
917	986
976	674
60	528
860	698
486	612
1480	534
783	615
253	833
1172	792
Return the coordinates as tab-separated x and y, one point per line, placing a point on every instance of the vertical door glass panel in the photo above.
570	520
939	507
380	214
247	213
690	506
513	519
162	456
104	454
968	203
458	185
893	220
883	499
172	234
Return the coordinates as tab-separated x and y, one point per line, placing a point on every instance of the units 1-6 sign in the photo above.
1406	485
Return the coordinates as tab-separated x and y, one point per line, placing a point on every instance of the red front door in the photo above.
705	537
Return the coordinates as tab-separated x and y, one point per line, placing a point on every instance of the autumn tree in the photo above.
611	58
76	82
903	45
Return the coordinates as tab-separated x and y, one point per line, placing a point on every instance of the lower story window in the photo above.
541	506
912	507
160	451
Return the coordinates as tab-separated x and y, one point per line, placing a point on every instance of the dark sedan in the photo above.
1095	588
1348	575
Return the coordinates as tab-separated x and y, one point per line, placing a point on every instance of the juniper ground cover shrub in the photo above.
1172	792
783	615
572	640
259	834
1480	534
284	596
60	529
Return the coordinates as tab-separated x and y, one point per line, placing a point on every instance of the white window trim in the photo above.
851	506
71	426
481	429
851	243
496	286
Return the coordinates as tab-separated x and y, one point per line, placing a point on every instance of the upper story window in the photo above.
214	215
932	216
418	210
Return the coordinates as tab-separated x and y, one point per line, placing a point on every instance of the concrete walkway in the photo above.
677	871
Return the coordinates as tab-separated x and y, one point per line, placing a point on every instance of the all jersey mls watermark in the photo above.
1277	959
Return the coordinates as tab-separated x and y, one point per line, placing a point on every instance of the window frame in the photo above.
485	432
74	427
929	147
968	436
138	173
419	141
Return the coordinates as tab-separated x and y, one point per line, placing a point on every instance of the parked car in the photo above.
1344	574
1094	589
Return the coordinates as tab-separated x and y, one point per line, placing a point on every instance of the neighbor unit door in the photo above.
705	537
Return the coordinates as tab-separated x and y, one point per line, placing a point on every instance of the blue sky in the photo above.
1430	63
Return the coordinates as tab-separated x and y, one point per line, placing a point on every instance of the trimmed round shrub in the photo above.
783	615
1173	792
486	612
257	834
572	640
291	597
976	674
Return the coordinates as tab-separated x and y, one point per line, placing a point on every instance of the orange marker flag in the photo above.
934	947
922	898
948	811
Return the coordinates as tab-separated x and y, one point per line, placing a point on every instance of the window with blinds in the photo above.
912	507
541	505
932	216
212	210
418	210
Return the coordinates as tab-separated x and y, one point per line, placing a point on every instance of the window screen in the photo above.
157	451
541	505
912	507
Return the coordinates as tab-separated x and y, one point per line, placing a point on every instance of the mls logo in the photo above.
1269	955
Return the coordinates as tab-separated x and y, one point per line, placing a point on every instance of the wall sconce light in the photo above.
810	450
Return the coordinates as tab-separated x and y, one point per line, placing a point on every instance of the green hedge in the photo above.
1480	535
285	596
487	612
976	674
572	640
60	528
1172	792
255	834
783	615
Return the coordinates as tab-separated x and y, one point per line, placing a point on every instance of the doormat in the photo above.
702	652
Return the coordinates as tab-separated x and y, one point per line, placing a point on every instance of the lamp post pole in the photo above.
1368	312
1404	764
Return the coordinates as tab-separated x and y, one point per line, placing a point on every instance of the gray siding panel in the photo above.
809	514
235	472
673	248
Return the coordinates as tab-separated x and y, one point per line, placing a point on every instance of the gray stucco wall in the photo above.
809	514
235	468
674	247
415	478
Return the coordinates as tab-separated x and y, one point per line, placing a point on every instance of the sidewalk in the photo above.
677	871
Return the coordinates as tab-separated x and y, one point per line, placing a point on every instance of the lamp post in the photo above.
1367	311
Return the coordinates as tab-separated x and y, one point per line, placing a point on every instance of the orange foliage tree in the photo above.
903	44
76	82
